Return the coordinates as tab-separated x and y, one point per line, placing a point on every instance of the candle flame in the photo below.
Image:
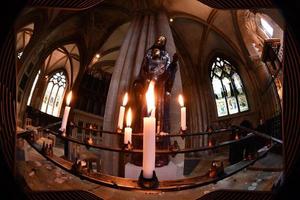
128	118
180	100
150	98
69	97
125	99
90	140
237	137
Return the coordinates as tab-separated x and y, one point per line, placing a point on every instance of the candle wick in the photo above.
150	112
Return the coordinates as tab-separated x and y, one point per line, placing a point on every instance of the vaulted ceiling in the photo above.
198	31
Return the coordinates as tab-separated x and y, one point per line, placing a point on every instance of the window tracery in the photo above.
228	88
54	94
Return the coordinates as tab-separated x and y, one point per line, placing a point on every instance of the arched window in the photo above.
54	94
228	88
267	28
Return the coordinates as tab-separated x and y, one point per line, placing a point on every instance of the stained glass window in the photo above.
228	88
54	94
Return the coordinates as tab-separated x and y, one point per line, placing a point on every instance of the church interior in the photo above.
140	99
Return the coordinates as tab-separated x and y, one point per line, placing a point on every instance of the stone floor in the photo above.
43	175
200	163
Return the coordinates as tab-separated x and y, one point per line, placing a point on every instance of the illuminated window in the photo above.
19	54
228	88
33	87
268	29
54	94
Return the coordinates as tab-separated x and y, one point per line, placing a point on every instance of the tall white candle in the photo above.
149	135
122	112
66	112
149	147
121	117
182	113
128	129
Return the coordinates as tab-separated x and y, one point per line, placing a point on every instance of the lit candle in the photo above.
122	112
149	135
66	112
209	143
90	140
237	137
128	130
183	112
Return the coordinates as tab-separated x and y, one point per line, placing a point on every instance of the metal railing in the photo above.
127	183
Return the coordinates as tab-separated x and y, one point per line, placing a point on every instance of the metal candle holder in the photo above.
148	183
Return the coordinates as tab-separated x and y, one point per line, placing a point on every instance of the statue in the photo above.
157	67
